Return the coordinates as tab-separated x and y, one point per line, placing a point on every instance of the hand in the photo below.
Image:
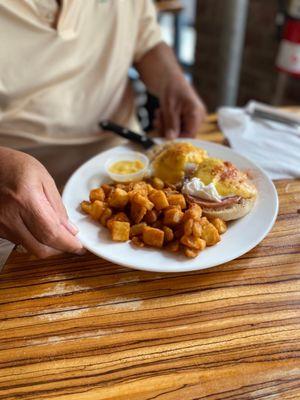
31	210
181	111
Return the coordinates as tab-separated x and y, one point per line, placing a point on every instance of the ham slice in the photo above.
214	204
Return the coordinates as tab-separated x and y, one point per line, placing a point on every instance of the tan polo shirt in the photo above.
63	70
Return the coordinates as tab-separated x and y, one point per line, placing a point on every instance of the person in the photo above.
63	68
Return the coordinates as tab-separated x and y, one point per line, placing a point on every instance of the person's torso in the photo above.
57	82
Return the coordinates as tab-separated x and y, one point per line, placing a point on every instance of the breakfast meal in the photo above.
216	185
181	204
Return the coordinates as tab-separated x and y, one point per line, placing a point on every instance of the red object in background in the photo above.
288	59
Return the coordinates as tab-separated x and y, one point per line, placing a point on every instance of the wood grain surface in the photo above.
82	328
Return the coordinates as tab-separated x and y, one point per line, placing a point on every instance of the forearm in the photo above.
157	67
181	111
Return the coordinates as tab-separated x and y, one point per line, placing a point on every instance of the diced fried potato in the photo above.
172	207
150	188
109	223
173	246
179	231
153	237
168	191
159	199
157	183
137	213
194	212
177	199
172	217
162	208
210	234
131	194
120	231
97	194
158	224
171	187
188	227
169	235
97	209
107	213
197	229
193	243
219	224
150	217
137	229
192	227
118	198
107	189
121	216
86	206
136	241
203	221
123	186
142	201
191	253
141	188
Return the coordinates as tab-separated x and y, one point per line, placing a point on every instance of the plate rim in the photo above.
229	258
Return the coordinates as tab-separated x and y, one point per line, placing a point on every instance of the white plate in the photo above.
242	235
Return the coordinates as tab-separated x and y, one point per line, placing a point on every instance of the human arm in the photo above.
181	110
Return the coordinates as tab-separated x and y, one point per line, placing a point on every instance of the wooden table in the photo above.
80	328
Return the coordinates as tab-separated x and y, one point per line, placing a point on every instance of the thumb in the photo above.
55	201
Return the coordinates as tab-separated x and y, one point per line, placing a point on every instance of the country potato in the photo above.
120	231
210	234
97	194
159	199
219	224
177	199
172	217
118	198
153	237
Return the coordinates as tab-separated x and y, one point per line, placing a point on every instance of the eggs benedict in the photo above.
176	160
220	189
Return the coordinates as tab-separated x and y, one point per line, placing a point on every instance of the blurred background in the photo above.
232	51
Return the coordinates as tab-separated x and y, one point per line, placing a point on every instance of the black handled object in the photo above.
144	140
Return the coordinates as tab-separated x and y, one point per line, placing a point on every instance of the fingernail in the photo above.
71	227
20	249
80	252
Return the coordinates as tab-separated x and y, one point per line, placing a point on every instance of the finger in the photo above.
45	226
171	119
191	121
21	236
56	203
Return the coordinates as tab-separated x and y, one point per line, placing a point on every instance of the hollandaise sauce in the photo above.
126	167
